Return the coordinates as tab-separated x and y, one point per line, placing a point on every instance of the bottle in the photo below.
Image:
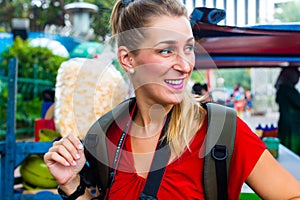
272	144
274	131
266	131
259	130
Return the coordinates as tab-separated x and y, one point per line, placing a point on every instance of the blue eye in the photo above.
190	48
166	51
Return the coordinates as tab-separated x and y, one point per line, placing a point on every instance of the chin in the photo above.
175	99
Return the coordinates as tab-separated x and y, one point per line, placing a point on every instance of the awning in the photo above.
238	47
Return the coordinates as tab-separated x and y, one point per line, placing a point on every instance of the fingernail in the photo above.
67	164
80	146
74	163
77	156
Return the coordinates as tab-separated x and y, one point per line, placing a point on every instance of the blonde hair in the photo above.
187	117
138	13
131	18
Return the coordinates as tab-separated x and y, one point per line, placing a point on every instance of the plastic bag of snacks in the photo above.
85	90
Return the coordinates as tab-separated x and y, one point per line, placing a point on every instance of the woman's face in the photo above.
164	61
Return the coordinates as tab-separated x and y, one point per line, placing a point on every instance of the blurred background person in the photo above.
202	90
248	104
288	100
239	99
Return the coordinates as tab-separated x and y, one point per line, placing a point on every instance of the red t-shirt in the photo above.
183	177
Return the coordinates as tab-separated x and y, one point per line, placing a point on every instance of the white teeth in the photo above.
174	82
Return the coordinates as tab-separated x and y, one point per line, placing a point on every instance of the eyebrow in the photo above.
172	41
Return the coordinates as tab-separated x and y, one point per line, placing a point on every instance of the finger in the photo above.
73	144
63	152
53	157
68	151
75	141
69	147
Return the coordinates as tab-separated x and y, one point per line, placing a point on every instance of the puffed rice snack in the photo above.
85	90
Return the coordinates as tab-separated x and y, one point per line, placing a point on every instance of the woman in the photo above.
155	46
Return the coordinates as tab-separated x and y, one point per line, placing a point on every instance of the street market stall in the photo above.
218	47
240	47
261	46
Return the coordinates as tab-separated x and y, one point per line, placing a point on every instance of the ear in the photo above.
125	58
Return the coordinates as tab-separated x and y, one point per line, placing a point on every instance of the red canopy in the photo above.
236	47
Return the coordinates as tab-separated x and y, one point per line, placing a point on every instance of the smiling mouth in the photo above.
174	82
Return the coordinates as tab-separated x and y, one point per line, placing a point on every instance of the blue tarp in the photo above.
6	40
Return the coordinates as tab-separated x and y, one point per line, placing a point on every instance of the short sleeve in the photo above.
248	148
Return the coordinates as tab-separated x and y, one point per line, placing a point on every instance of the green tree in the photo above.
233	77
101	19
198	76
37	70
46	62
288	11
42	13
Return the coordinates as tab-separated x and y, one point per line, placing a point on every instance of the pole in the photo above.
10	147
208	79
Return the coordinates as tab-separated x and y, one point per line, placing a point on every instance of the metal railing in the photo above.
28	88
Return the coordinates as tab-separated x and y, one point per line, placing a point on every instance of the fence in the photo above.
28	89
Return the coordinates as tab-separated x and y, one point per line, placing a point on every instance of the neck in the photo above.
149	119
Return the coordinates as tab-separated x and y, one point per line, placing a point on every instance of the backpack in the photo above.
219	144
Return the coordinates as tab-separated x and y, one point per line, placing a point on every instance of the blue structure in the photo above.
12	153
6	40
282	26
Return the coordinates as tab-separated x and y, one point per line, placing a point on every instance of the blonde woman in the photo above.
156	47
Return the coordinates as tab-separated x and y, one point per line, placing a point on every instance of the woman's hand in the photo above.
65	159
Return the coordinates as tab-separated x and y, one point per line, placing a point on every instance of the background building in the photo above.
241	12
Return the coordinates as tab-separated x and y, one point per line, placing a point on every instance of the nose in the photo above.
183	63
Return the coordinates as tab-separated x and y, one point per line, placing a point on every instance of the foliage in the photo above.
38	68
42	13
288	11
100	22
232	77
198	76
13	9
47	63
55	14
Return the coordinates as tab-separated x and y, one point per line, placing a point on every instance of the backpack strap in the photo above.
96	170
158	166
219	144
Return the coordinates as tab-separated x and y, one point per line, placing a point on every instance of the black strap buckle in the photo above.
219	152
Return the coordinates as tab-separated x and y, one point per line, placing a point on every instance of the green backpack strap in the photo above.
221	131
219	144
96	171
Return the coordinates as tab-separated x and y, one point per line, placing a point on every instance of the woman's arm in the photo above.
65	159
271	181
